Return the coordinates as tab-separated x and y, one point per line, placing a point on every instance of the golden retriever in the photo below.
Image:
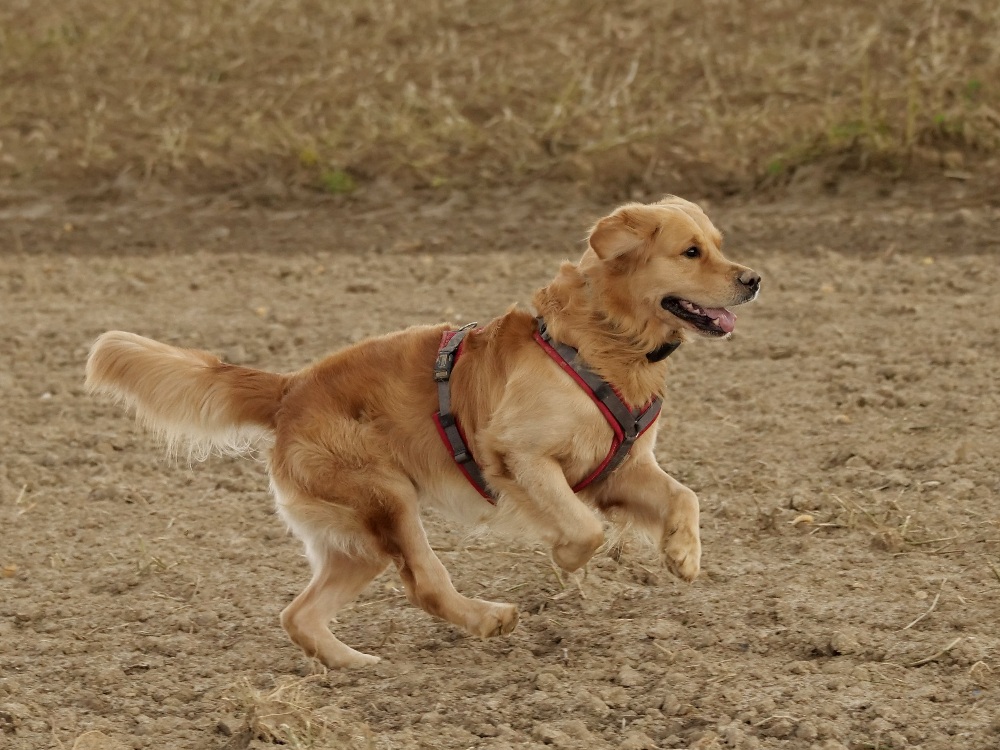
354	451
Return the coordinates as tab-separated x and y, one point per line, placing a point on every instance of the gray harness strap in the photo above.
447	425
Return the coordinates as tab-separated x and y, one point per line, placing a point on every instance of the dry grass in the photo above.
443	91
294	714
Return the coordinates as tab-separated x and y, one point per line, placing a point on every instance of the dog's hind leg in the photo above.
396	526
338	578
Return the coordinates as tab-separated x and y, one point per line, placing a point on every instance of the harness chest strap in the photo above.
626	423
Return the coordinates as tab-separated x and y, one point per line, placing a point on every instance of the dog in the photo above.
361	440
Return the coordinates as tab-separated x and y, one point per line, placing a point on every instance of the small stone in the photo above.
636	740
546	681
842	643
109	675
888	540
227	726
205	619
616	697
888	713
629	677
576	729
765	706
825	728
549	734
881	726
897	478
671	706
779	728
961	487
801	500
144	726
485	730
806	730
593	705
732	734
12	716
96	740
708	740
665	630
100	494
363	287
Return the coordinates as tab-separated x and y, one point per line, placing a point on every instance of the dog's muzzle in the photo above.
750	282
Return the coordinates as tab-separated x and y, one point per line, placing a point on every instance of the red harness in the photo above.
626	423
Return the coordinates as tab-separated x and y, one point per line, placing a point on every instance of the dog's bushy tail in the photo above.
187	396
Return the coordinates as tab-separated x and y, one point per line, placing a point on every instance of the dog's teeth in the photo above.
715	322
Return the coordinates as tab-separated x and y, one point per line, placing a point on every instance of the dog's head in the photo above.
661	266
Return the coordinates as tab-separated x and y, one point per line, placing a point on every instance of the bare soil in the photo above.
843	444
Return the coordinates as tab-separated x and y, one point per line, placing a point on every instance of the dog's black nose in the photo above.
750	279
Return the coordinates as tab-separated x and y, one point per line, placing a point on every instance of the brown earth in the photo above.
843	444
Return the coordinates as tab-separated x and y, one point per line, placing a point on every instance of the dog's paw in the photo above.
681	552
360	660
346	658
497	619
580	546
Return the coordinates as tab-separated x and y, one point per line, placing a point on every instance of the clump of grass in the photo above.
291	714
146	562
893	528
914	100
451	92
337	181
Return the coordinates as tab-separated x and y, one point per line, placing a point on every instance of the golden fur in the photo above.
355	452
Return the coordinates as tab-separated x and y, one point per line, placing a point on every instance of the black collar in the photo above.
662	351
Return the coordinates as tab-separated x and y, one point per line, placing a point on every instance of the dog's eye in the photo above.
692	252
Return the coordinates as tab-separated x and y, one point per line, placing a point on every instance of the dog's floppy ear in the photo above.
626	229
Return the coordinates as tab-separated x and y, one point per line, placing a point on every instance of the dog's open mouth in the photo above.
715	321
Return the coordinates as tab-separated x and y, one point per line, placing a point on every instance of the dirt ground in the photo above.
843	445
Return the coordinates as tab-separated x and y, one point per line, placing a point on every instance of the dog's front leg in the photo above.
642	493
537	488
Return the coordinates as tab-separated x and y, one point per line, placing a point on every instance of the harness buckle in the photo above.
442	365
445	360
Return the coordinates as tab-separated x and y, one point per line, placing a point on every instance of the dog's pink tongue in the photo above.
727	320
